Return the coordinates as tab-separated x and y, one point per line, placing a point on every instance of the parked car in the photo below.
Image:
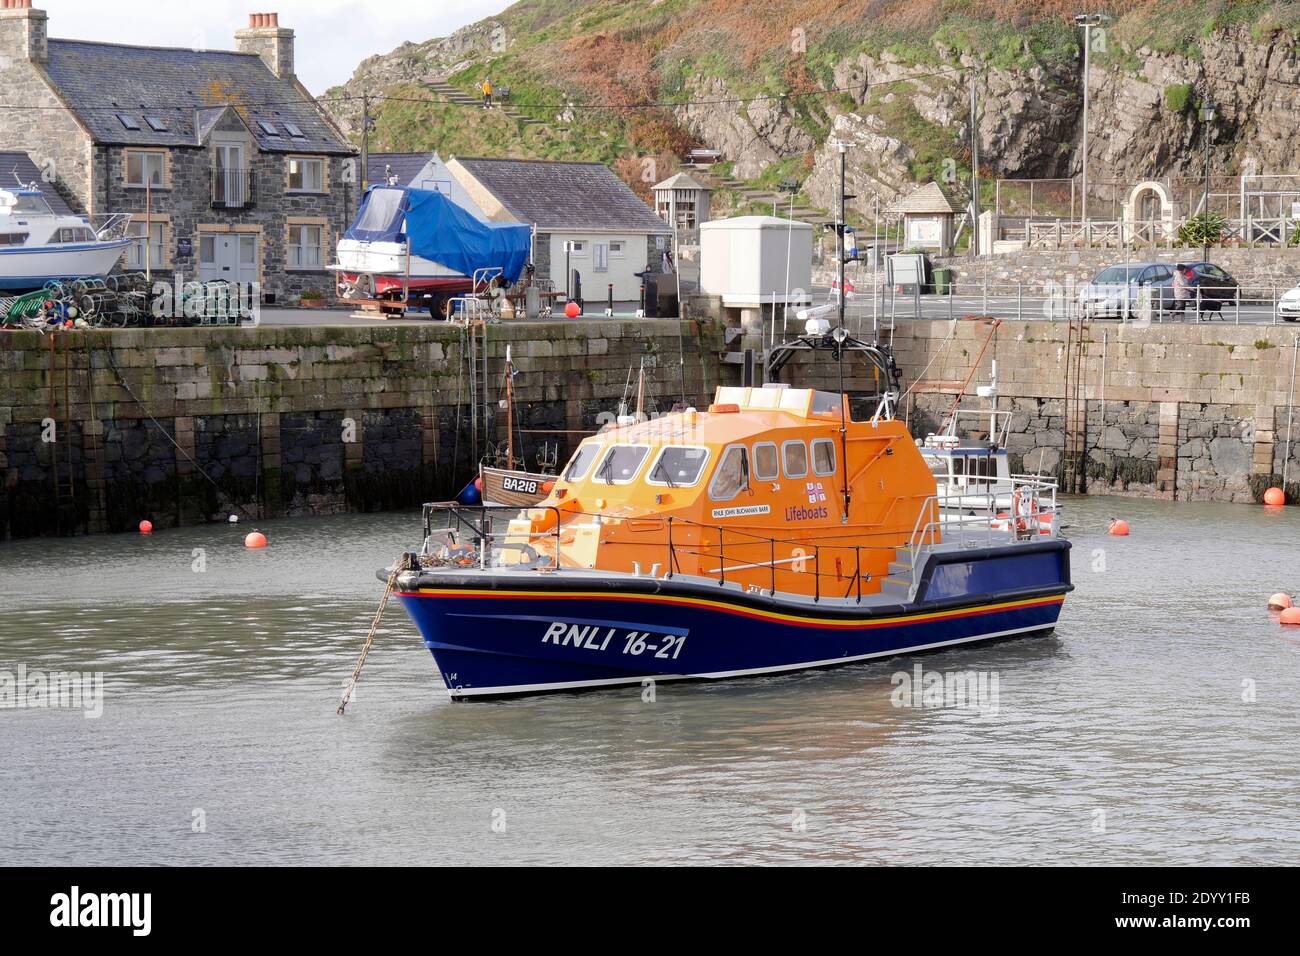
1215	286
1288	306
1117	291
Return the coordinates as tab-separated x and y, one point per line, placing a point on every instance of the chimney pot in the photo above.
274	18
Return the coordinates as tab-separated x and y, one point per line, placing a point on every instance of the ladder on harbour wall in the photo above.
1074	454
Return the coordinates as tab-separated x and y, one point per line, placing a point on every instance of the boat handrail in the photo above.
947	518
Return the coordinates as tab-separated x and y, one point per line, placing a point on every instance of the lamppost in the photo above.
1087	21
1208	112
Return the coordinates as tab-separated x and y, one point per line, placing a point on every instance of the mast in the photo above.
510	411
841	334
640	391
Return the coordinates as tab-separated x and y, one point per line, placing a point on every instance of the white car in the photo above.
1288	306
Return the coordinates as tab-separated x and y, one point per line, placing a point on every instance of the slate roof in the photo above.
681	181
27	171
555	195
929	199
180	87
406	166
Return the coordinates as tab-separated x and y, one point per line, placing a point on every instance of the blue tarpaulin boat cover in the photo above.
441	231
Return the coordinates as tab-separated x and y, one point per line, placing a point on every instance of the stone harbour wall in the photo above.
100	429
1185	411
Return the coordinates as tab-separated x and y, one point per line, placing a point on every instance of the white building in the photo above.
753	261
610	233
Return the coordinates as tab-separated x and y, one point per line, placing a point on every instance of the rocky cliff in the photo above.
772	82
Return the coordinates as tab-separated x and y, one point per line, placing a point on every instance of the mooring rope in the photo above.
400	565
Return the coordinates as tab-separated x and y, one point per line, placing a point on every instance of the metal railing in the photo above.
444	544
232	188
1255	301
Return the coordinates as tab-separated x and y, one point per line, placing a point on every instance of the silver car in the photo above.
1116	291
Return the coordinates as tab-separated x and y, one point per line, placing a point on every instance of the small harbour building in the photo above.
582	214
227	166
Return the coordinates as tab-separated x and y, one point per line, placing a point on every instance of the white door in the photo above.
228	189
228	255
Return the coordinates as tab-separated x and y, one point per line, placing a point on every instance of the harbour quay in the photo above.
182	426
101	429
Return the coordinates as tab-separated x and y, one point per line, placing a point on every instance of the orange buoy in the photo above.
255	539
1279	601
1275	496
1118	528
478	484
572	310
146	526
548	486
1290	616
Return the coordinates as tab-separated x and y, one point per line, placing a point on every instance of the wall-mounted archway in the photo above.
1148	212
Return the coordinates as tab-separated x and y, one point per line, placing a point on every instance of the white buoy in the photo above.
234	519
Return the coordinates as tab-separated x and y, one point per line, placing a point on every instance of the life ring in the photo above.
1024	503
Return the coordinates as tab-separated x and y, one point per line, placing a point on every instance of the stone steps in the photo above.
461	98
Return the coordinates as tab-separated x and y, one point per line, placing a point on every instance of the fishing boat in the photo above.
503	479
38	245
775	530
968	454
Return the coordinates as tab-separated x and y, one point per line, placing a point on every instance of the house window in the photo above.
304	247
135	252
577	248
616	249
306	175
144	168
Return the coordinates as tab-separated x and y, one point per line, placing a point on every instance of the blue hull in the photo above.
505	634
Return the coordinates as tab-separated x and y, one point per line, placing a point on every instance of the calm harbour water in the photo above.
220	689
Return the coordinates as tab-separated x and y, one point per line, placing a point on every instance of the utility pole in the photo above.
1207	113
1087	21
365	141
839	230
974	171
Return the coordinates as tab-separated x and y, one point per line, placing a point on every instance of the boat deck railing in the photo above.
480	536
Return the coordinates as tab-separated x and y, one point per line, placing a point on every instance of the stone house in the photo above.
226	165
581	213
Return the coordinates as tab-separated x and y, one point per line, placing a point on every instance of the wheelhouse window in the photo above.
581	461
732	476
678	466
144	168
794	459
938	465
767	465
827	403
620	464
306	175
73	234
823	457
13	238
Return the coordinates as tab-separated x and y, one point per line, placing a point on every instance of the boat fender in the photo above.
1279	602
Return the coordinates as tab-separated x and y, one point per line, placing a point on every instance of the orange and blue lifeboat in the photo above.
775	531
